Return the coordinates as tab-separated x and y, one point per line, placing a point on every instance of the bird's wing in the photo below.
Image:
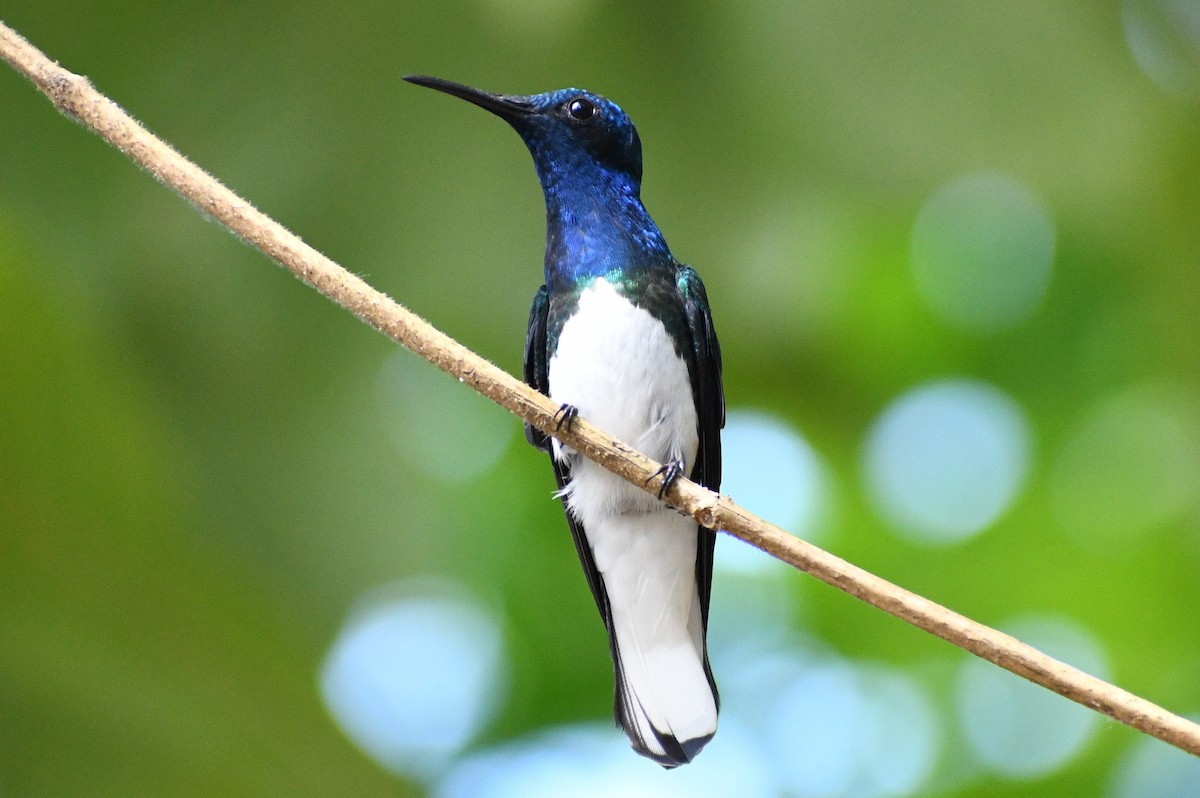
537	375
704	368
537	371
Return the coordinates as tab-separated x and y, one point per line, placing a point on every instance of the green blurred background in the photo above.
247	547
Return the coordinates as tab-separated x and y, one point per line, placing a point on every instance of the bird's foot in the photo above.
565	416
669	471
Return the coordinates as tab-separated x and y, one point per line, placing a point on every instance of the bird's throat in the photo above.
594	238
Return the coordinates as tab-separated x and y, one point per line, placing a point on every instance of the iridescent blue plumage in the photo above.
621	334
596	223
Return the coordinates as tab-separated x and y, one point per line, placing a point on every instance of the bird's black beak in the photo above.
507	106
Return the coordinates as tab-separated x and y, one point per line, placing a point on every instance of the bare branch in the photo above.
75	97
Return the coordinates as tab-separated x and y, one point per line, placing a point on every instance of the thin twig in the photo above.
74	96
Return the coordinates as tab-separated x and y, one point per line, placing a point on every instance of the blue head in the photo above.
569	130
589	160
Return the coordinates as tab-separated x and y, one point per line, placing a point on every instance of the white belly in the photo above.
616	363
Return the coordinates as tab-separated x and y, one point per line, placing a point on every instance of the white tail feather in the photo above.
648	562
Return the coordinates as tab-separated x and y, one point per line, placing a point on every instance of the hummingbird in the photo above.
621	334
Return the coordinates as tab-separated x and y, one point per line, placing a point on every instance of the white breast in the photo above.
616	363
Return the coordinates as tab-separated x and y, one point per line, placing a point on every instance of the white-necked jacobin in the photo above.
621	335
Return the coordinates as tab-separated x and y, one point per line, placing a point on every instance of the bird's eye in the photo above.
581	109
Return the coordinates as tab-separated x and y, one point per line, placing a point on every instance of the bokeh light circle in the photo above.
839	729
812	730
1154	768
829	726
414	674
769	469
1164	38
1016	728
981	250
902	735
944	460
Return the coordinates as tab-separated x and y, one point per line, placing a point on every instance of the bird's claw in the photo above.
670	471
565	416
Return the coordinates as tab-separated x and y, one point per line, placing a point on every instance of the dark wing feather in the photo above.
562	474
537	371
704	367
